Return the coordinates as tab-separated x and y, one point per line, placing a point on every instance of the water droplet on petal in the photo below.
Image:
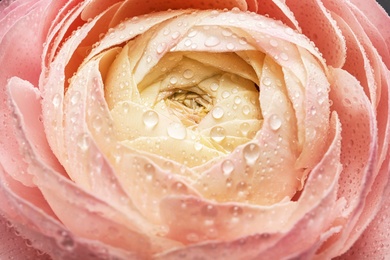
149	170
214	86
150	118
246	110
245	127
161	47
65	241
225	94
188	74
227	167
230	46
192	33
283	56
209	211
75	98
97	123
237	100
83	142
175	35
218	112
56	100
188	43
173	80
218	134
236	211
267	81
125	107
177	131
275	122
273	42
211	41
179	187
198	146
251	153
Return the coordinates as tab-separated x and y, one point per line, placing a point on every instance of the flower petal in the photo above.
259	231
316	21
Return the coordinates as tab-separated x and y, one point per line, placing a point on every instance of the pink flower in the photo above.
194	129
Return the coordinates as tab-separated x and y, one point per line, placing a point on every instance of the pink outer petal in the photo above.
319	26
374	243
26	100
13	246
374	33
378	17
359	157
65	198
12	14
21	60
44	232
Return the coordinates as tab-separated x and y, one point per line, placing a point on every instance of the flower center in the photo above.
190	105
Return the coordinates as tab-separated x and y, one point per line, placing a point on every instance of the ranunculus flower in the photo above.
194	129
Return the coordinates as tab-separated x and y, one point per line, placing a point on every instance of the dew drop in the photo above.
97	123
218	133
236	211
244	128
198	146
230	46
75	98
125	107
173	80
211	41
179	187
273	43
251	153
283	56
192	33
313	111
175	35
177	131
242	186
275	122
148	59
218	112
209	211
289	31
188	43
225	94
161	47
229	183
65	241
83	142
227	33
149	170
267	81
246	110
192	237
214	86
227	167
188	74
237	100
56	100
150	118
